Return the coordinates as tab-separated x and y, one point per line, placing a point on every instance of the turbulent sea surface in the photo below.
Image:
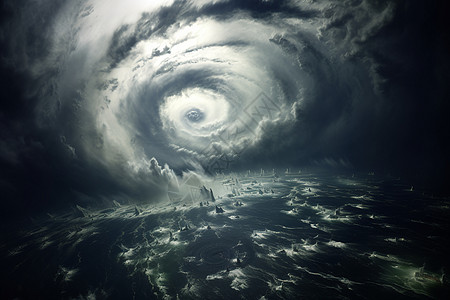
286	236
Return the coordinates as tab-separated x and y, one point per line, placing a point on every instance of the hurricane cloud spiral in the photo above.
146	67
200	85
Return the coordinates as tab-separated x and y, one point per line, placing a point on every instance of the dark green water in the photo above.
299	236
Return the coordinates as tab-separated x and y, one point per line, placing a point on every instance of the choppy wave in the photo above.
189	250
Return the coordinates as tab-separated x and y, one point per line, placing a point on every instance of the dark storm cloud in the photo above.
125	38
390	119
40	163
364	87
257	9
412	61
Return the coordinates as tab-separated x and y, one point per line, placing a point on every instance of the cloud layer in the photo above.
94	90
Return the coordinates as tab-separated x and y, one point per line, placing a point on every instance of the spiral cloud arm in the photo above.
185	76
190	85
210	86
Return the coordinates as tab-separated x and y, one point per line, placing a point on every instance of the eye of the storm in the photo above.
194	115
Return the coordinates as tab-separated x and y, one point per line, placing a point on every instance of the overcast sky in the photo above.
93	90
